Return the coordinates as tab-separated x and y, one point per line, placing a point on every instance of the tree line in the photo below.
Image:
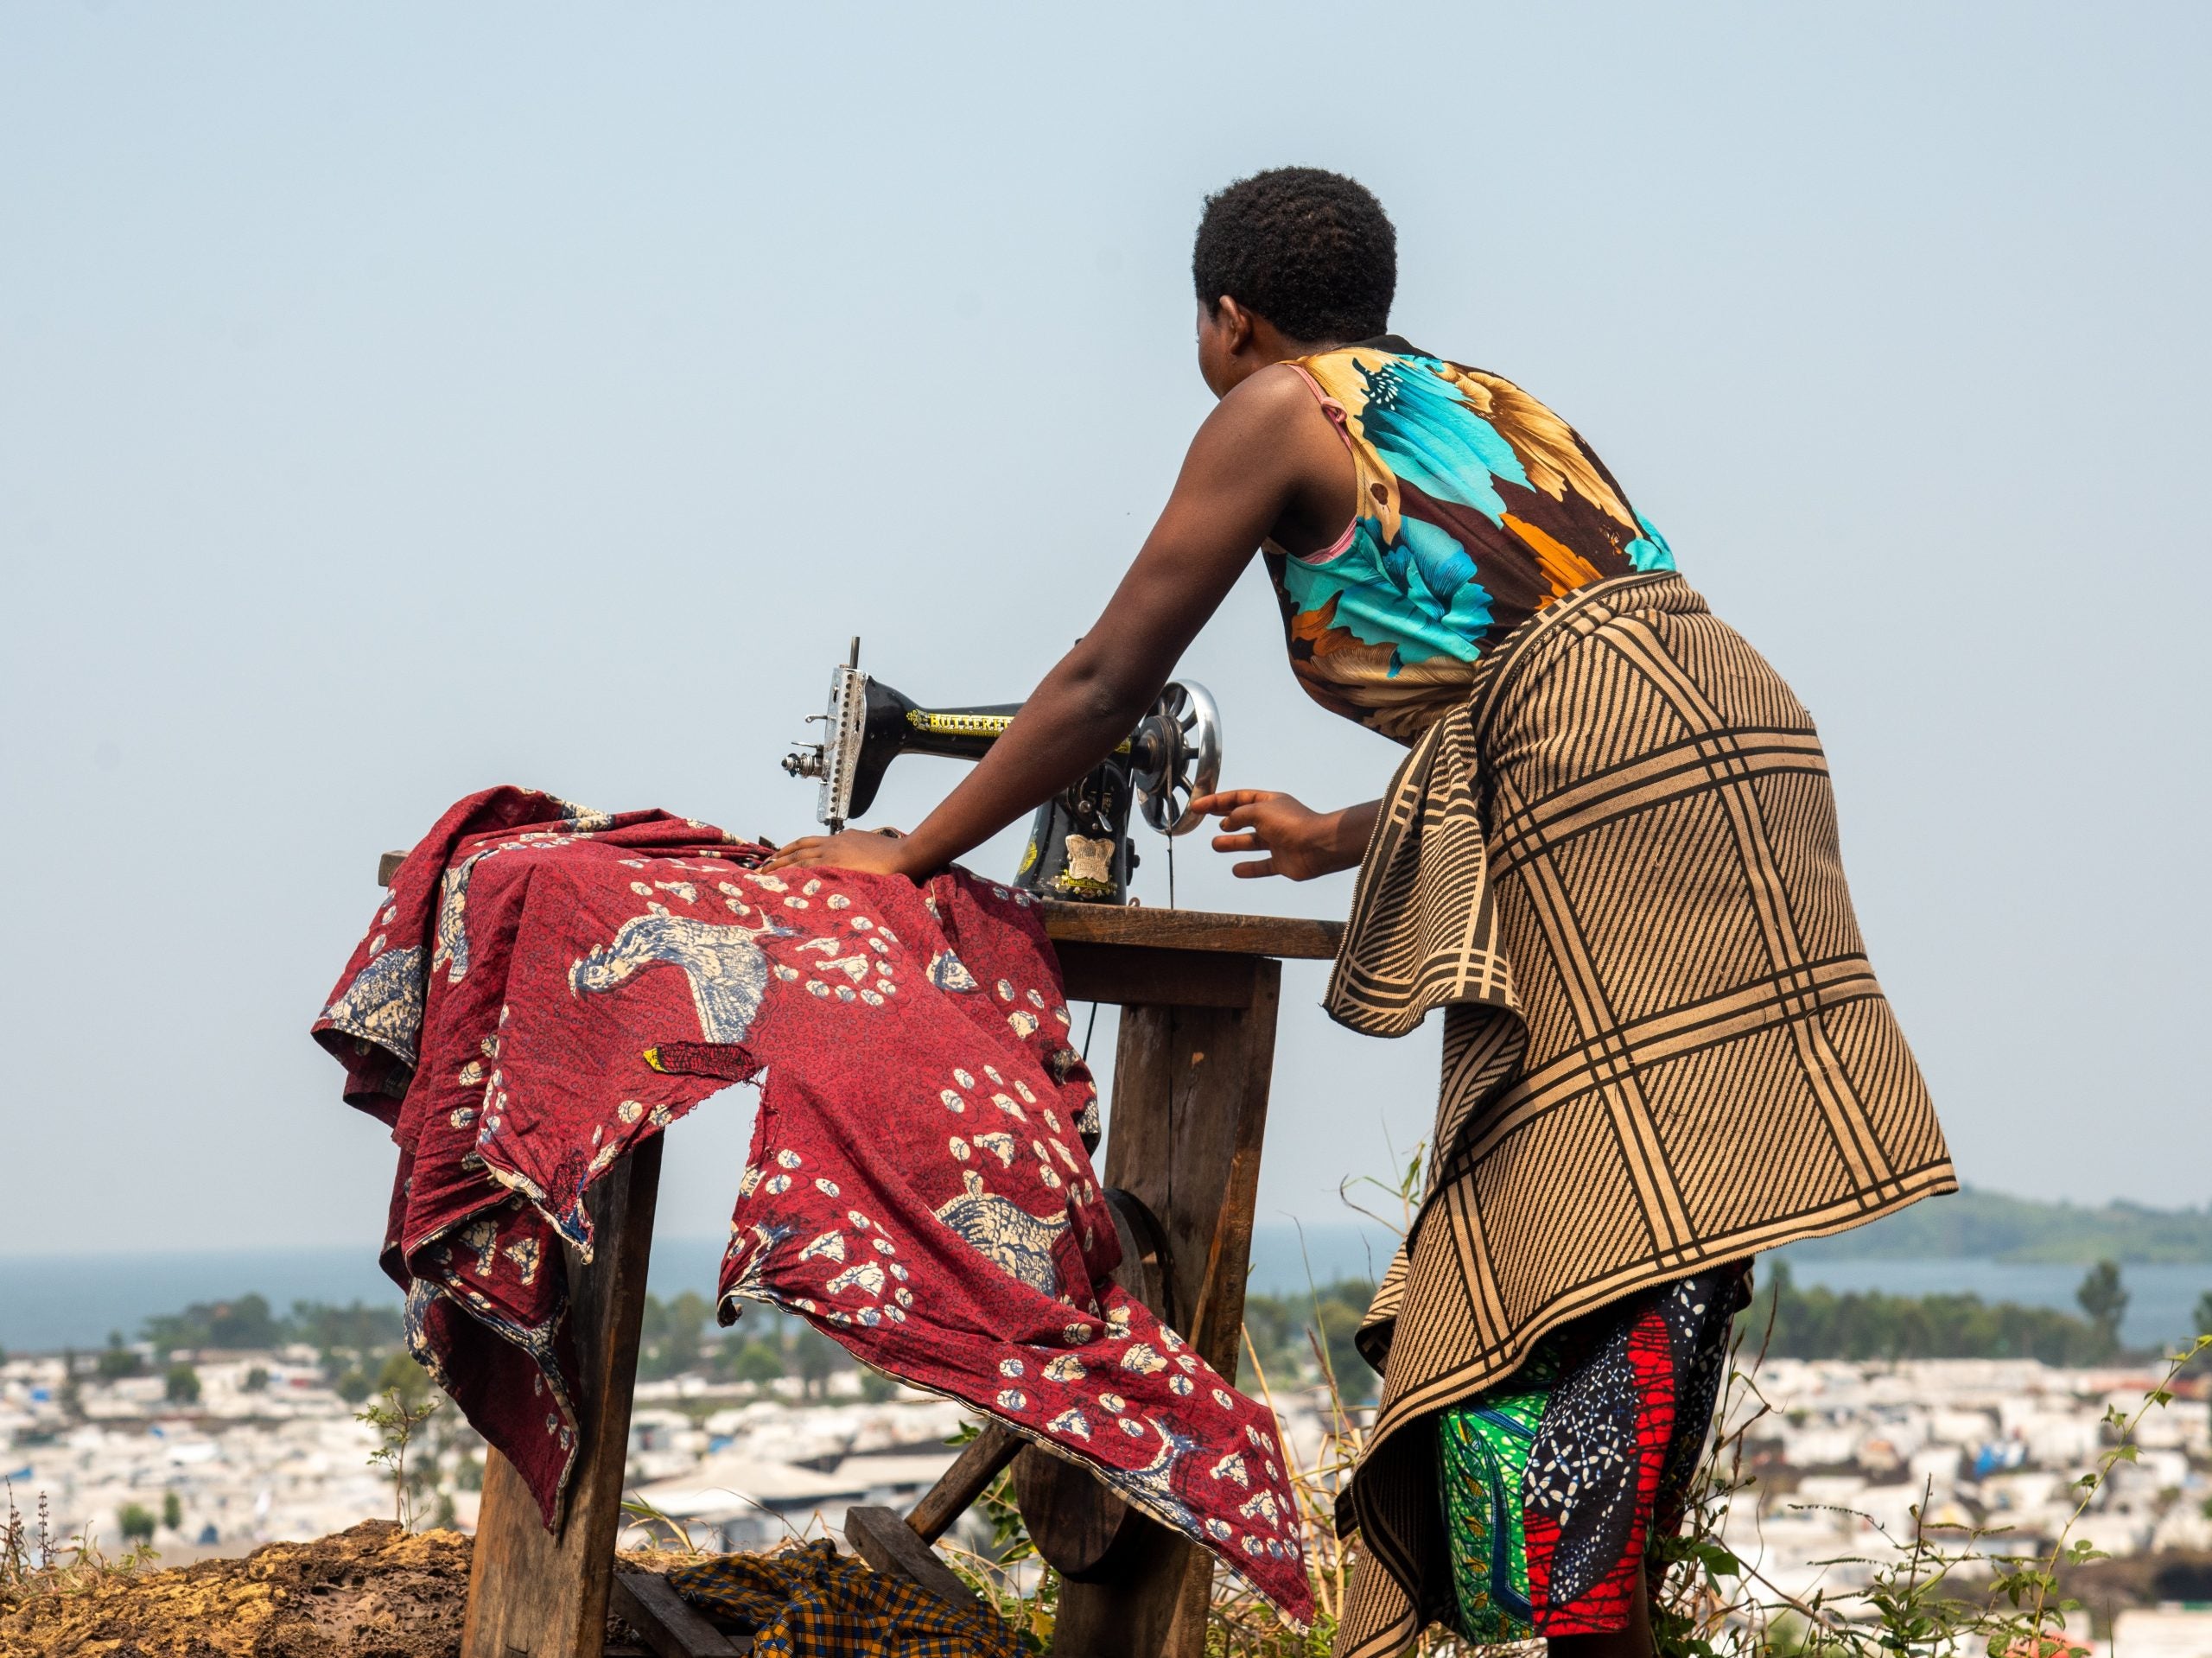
1294	1336
1824	1324
361	1348
1292	1340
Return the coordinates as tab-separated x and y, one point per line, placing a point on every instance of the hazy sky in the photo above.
396	400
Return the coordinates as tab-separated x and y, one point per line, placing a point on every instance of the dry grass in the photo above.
35	1563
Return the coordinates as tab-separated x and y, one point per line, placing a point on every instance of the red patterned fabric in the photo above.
1557	1481
1604	1607
545	986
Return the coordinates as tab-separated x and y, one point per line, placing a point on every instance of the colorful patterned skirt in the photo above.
1556	1482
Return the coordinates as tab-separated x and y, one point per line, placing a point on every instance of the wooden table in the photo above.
1199	993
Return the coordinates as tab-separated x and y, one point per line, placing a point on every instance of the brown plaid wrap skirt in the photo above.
1616	868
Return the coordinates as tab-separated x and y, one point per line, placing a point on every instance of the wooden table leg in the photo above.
538	1594
1189	1109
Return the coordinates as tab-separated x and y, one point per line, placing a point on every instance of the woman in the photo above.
1610	857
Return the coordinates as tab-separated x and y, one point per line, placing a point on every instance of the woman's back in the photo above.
1477	507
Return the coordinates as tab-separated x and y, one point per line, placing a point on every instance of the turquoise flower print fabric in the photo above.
1479	507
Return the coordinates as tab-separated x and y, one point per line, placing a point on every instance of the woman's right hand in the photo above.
1299	843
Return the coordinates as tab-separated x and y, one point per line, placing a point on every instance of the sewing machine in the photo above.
1080	847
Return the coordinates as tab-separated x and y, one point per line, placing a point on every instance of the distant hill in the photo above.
1989	1226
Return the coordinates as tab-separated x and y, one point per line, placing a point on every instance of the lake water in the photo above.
48	1302
52	1301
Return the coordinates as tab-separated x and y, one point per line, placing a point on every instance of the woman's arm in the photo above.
1266	450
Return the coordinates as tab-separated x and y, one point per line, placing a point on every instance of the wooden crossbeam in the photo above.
889	1544
980	1461
648	1602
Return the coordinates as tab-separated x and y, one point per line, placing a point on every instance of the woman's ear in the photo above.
1235	323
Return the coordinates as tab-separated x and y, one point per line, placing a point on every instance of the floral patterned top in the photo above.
1479	506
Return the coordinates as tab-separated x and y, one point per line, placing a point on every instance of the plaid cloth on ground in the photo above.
1616	869
810	1602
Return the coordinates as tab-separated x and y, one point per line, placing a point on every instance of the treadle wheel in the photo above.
1145	1272
1178	756
1074	1520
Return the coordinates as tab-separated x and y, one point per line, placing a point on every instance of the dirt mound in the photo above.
372	1592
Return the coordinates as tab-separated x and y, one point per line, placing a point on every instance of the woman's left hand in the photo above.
1298	842
874	852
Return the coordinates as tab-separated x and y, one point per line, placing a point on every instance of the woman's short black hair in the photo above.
1311	251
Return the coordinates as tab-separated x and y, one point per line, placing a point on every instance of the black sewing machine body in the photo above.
1078	848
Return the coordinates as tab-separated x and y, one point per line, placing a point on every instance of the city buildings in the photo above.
1839	1455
